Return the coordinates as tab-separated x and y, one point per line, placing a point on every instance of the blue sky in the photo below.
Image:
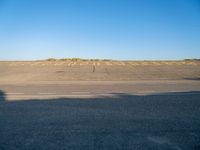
114	29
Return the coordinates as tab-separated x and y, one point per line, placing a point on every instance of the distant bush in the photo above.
191	59
76	59
51	59
62	59
106	60
95	60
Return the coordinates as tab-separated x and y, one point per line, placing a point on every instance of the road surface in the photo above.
153	115
95	89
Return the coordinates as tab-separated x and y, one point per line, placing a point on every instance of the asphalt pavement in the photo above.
95	89
104	116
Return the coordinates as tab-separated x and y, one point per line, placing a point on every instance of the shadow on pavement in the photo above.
2	96
161	121
197	78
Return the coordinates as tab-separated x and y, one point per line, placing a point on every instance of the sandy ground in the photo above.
41	71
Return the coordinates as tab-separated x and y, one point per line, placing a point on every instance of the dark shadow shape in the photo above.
121	122
197	78
2	96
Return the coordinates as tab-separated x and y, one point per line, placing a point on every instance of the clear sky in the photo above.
114	29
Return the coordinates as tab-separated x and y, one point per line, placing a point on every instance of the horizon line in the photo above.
99	59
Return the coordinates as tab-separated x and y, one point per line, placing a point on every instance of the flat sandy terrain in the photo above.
61	71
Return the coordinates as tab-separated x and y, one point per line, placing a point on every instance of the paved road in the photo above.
164	121
95	89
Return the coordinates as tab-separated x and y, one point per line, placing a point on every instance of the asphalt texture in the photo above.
134	119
